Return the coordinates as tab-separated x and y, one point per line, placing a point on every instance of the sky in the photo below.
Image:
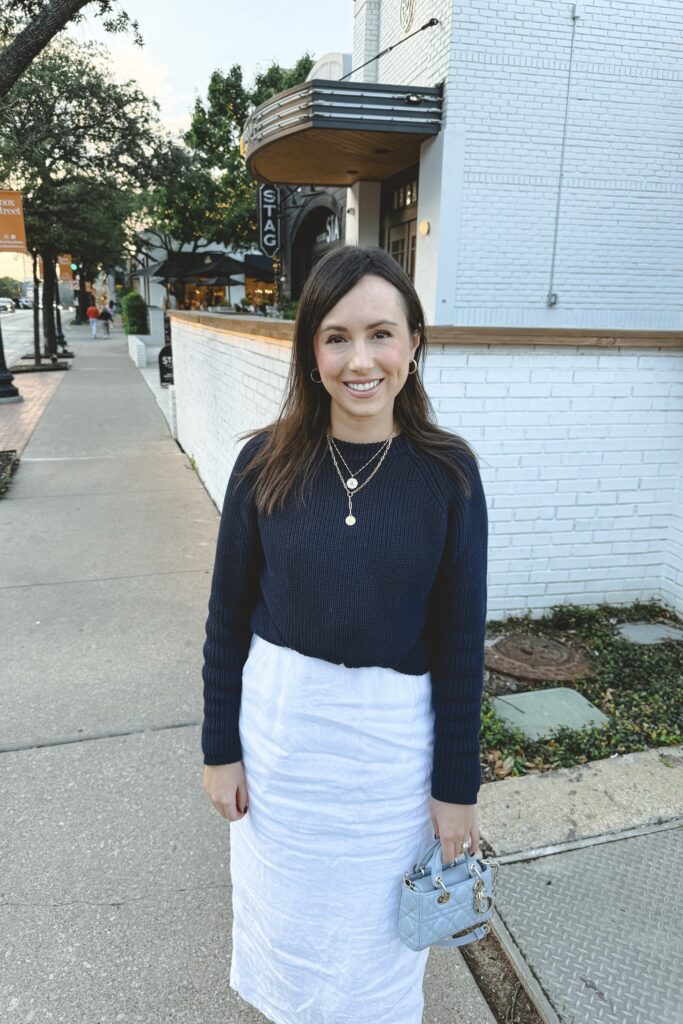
186	41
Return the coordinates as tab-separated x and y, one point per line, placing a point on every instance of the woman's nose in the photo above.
360	355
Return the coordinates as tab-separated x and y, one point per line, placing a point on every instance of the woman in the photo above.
106	318
344	657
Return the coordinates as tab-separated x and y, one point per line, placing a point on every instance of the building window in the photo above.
399	218
405	196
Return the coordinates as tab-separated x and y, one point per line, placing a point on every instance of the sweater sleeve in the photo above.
457	631
234	593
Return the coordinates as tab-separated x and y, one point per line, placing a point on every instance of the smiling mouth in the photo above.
367	388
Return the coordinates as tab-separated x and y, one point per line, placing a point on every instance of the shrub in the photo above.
289	311
134	314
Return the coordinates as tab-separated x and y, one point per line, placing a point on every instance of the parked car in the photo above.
24	303
6	305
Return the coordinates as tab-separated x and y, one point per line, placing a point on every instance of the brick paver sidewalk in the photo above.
18	420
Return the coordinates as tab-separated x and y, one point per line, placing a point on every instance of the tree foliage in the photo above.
215	181
67	115
77	144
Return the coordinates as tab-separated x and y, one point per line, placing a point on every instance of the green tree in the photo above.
9	288
214	136
88	218
27	26
184	204
64	121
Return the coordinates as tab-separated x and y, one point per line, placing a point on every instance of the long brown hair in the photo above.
296	442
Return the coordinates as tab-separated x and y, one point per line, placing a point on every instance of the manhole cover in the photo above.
527	656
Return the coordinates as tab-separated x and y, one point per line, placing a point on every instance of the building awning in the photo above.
337	133
208	267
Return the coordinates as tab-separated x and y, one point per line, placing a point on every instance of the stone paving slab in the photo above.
105	393
617	793
538	712
116	655
44	477
97	536
649	632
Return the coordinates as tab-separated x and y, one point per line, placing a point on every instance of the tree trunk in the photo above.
49	333
15	58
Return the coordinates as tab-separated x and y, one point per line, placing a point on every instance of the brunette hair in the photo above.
296	441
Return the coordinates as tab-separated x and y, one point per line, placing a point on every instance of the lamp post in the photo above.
59	333
77	294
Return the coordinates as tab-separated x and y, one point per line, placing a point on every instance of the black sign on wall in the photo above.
269	219
166	366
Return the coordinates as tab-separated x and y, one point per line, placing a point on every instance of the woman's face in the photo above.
365	339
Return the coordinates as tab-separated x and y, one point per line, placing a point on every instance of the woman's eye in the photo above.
378	334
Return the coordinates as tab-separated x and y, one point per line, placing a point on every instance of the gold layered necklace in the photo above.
351	485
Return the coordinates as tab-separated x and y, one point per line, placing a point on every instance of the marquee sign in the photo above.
269	219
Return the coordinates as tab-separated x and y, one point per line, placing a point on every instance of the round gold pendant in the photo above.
352	483
350	520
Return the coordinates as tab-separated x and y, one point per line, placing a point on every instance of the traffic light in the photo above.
74	266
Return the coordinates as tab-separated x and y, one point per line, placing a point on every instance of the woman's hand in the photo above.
453	823
227	787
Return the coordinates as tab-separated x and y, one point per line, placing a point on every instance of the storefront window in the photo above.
258	293
201	296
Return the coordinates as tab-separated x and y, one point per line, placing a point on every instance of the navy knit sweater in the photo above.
404	588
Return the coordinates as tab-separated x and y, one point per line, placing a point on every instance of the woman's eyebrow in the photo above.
376	323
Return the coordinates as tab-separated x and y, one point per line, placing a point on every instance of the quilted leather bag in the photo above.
445	904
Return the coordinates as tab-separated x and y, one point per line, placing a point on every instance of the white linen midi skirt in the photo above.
338	765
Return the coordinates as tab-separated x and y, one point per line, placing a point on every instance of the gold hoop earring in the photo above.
316	370
415	370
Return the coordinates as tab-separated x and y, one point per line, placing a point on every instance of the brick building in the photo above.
525	169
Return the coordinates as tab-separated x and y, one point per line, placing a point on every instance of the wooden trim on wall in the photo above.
567	336
261	327
269	329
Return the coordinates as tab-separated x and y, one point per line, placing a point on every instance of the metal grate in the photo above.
601	928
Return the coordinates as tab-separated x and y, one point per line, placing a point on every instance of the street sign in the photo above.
65	269
12	230
269	219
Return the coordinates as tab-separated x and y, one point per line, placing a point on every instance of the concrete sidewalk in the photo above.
115	901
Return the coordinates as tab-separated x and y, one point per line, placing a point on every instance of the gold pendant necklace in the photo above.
352	482
351	519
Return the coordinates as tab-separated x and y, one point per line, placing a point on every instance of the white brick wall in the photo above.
505	64
224	385
580	453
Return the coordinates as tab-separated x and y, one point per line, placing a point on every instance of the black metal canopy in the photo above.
209	268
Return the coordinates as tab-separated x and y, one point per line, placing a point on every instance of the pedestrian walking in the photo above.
93	315
344	657
106	318
112	310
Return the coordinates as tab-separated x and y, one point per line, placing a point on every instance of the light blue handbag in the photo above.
445	904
